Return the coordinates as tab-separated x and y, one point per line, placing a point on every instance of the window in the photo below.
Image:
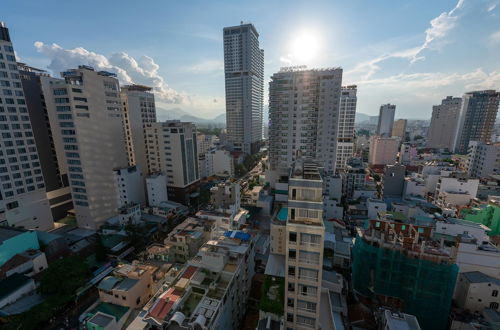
494	305
292	237
494	293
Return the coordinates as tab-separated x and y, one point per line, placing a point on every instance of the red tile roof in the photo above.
189	272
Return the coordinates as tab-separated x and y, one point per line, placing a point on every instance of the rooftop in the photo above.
478	277
7	233
12	283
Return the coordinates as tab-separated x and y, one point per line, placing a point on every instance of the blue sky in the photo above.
408	52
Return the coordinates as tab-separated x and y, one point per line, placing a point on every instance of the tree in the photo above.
64	277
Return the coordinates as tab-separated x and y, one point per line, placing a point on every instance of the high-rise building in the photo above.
345	136
399	129
172	150
304	114
383	150
386	119
476	119
304	239
138	111
244	78
444	123
483	159
23	200
86	108
54	173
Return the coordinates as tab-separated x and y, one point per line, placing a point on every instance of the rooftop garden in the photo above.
273	295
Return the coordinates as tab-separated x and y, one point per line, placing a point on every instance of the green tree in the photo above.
64	277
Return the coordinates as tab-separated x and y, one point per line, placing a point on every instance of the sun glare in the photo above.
305	47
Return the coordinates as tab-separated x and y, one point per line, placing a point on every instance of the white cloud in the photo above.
128	69
494	38
477	79
206	66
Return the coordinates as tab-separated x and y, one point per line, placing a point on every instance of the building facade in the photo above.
23	200
345	136
138	111
304	114
304	239
172	150
386	119
244	81
483	159
476	119
87	111
399	129
444	123
383	150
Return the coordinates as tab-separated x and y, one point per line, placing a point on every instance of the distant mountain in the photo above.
361	117
179	114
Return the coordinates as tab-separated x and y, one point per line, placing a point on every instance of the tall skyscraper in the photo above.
386	119
304	115
347	115
444	123
476	119
244	78
304	239
23	200
172	150
483	159
138	111
55	175
87	110
399	129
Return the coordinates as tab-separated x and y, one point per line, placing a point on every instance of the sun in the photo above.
305	47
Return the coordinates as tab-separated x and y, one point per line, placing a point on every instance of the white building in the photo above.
244	80
456	190
298	123
89	117
444	123
156	187
483	159
172	149
345	136
383	150
415	186
138	111
407	153
374	206
205	142
386	119
476	291
23	201
130	186
398	321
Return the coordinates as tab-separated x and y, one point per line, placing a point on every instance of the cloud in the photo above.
206	66
129	70
474	80
494	38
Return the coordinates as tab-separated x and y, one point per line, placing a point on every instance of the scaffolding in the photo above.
417	286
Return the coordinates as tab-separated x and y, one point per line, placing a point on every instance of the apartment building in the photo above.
130	285
476	291
172	150
129	186
476	119
86	109
386	120
444	122
304	238
156	187
483	159
244	84
345	137
211	292
383	150
354	177
138	110
53	169
23	199
399	129
456	189
304	118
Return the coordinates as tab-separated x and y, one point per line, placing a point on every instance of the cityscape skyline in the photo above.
415	64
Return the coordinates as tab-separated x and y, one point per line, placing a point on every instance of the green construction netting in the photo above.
424	287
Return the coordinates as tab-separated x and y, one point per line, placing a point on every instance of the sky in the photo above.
411	53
